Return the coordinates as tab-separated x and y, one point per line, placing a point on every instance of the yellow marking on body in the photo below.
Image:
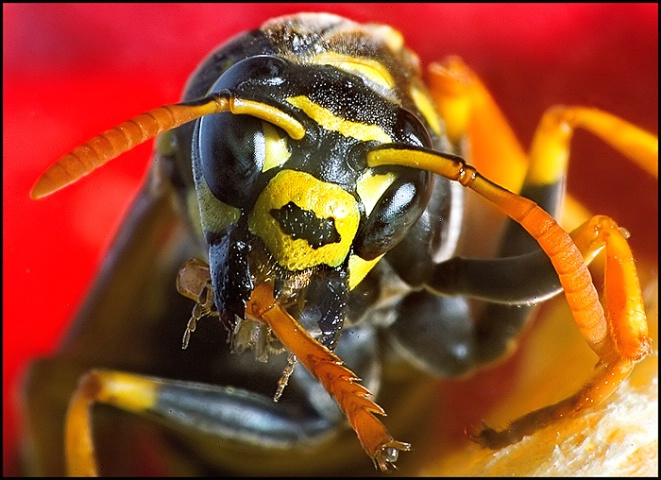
364	67
370	187
549	171
330	121
276	151
393	39
126	390
549	150
214	215
424	104
164	144
326	200
193	209
359	268
270	114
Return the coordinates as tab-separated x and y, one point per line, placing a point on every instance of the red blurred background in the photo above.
72	71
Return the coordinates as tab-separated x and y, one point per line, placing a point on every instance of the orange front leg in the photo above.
352	398
619	335
621	341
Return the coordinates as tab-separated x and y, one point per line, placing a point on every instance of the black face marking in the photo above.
299	223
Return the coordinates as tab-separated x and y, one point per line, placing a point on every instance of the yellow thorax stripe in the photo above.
330	121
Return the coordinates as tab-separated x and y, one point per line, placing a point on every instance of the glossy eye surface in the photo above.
231	149
411	131
395	212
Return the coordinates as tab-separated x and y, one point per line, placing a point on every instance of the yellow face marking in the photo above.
330	121
370	187
276	151
364	67
213	215
426	107
326	200
358	268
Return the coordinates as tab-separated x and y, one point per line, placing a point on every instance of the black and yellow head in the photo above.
284	190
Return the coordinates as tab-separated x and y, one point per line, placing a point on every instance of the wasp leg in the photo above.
471	113
225	411
443	335
230	417
43	405
620	343
352	397
460	336
619	337
473	117
439	329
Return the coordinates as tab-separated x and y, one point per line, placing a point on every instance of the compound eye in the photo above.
252	76
231	156
411	131
393	215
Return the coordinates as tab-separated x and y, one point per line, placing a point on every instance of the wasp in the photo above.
313	196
